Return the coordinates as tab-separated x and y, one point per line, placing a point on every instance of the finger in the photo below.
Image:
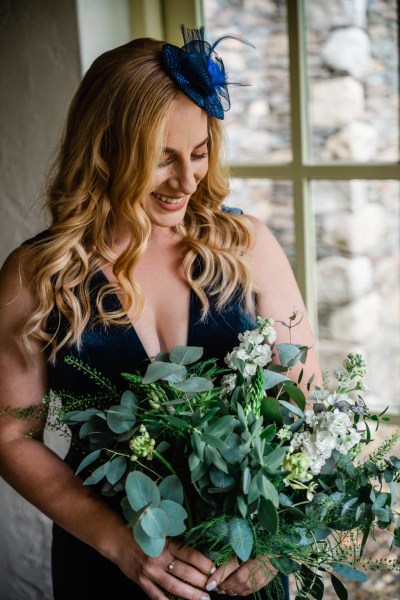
182	589
249	578
221	574
188	573
192	557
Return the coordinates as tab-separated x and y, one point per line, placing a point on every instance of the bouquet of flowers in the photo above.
238	460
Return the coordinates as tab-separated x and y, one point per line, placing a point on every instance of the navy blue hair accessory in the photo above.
199	72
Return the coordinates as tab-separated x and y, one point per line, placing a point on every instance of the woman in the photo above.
140	256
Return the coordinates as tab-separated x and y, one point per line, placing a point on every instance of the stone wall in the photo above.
353	109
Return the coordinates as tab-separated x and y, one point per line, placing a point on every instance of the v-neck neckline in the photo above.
131	326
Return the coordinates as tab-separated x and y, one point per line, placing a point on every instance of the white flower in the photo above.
284	433
249	371
253	337
267	330
228	382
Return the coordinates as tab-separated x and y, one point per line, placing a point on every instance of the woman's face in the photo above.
183	165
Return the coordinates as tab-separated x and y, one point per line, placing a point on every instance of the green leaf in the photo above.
120	419
339	588
220	479
270	410
274	460
154	522
83	415
293	408
176	515
171	489
213	441
267	489
97	474
153	547
269	433
271	379
295	394
268	516
246	478
194	385
129	400
116	469
290	354
158	370
222	426
88	460
241	537
141	491
186	355
177	422
349	572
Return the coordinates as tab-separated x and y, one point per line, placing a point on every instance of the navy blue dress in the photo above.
78	570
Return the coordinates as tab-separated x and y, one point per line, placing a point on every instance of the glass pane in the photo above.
358	280
353	64
272	202
258	123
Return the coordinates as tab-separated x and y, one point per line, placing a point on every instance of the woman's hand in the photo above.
241	580
181	572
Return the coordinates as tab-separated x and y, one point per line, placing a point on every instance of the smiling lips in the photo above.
167	200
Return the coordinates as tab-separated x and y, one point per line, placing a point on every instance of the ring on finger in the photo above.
171	565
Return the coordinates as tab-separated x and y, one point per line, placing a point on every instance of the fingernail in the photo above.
205	597
212	570
211	586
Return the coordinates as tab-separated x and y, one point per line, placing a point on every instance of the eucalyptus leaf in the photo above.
116	469
339	588
141	490
220	479
194	385
129	400
222	427
268	516
271	379
158	370
349	572
97	474
246	478
186	355
120	418
176	515
241	537
154	522
88	460
171	489
151	546
83	415
293	408
290	354
214	441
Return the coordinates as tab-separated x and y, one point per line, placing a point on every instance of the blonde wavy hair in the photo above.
113	140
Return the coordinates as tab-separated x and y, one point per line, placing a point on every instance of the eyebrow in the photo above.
171	150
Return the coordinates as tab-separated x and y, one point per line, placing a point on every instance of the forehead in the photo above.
187	123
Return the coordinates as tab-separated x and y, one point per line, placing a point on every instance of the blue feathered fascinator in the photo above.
199	72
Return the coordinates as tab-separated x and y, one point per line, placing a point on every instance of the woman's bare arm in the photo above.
40	476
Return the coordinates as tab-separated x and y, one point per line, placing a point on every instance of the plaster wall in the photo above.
45	45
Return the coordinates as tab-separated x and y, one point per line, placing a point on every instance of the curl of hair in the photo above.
113	140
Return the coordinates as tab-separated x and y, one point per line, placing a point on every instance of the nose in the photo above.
183	179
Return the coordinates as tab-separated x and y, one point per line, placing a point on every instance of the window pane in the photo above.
353	64
272	202
358	280
258	123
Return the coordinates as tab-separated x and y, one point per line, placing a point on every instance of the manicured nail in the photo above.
205	597
212	570
211	585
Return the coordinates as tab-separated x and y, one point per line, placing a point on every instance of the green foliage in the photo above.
217	460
